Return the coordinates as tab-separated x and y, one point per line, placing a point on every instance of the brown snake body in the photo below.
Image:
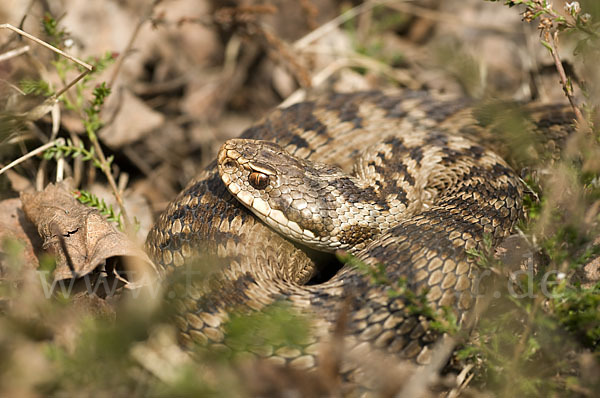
428	170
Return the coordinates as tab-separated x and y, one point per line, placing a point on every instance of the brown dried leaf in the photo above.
14	226
133	121
79	237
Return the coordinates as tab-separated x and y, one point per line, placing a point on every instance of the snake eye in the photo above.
258	180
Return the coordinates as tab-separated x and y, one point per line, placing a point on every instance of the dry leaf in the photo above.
79	237
133	121
13	225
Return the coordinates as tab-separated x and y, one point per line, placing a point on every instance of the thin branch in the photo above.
49	46
447	18
111	82
346	61
334	23
59	141
566	84
71	84
14	53
55	128
9	84
129	45
47	105
124	53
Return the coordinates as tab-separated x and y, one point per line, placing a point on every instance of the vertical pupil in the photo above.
259	180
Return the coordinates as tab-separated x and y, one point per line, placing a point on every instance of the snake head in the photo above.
298	198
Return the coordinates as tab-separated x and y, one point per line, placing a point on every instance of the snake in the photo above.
405	181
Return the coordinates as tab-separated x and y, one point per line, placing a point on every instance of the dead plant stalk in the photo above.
552	38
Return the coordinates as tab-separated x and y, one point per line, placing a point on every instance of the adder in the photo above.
407	180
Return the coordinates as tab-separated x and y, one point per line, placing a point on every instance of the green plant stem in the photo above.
106	169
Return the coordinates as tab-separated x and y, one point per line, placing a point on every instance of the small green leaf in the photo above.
547	45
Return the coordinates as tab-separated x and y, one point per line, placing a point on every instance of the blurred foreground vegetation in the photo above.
539	335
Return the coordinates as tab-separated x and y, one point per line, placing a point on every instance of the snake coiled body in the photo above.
428	171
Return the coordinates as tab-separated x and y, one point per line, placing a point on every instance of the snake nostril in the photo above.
230	164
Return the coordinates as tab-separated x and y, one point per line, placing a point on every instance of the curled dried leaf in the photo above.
79	236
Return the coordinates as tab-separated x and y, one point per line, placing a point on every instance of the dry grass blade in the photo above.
14	53
37	151
46	107
324	29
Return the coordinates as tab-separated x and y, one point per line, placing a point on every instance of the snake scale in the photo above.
403	179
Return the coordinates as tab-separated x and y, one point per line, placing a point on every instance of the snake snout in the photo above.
227	159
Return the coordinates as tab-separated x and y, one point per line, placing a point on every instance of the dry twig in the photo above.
33	153
565	82
88	68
